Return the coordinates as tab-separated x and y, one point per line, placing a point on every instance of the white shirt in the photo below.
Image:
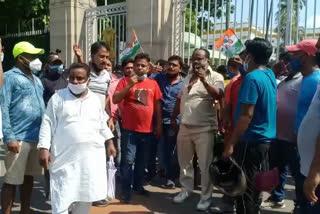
308	133
288	92
99	84
75	130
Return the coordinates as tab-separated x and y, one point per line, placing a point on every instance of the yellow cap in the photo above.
25	47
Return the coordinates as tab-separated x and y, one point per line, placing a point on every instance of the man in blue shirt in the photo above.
304	54
170	83
306	57
22	108
255	120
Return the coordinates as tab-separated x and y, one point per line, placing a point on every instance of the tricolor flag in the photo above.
132	49
229	44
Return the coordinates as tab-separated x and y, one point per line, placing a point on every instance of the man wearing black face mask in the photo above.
283	151
22	109
54	76
305	61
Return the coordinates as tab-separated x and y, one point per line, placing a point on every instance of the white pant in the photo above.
78	208
192	139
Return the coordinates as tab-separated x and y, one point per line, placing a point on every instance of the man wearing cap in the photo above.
305	61
307	119
22	109
53	76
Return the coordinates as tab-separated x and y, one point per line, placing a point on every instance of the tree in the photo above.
20	13
227	10
283	19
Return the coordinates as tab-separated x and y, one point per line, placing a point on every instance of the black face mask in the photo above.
53	74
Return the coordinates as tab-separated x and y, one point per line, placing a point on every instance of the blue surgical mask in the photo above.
242	71
57	68
295	65
230	75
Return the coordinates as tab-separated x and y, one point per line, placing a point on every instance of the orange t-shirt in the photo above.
138	106
231	94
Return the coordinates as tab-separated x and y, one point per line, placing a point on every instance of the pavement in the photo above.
158	202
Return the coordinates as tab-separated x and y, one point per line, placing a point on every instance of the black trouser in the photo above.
255	158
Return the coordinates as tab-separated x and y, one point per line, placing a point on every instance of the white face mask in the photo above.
77	89
2	56
143	77
35	65
246	65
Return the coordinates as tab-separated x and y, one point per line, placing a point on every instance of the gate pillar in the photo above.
152	20
67	26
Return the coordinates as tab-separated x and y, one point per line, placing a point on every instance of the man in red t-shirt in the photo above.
141	99
231	95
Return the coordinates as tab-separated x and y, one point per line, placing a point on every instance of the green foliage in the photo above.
207	19
283	19
22	11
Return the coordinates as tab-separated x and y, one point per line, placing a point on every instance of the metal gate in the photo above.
107	23
199	23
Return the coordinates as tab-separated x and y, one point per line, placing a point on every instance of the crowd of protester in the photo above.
161	119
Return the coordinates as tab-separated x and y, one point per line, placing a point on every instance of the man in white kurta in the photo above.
75	129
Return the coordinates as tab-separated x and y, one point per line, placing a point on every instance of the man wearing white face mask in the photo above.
76	160
100	79
22	109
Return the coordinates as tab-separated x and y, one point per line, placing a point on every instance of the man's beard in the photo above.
172	75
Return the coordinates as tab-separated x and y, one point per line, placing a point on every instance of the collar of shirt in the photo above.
175	83
80	98
18	71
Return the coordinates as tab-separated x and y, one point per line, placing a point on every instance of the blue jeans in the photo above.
152	157
285	156
169	153
134	148
305	206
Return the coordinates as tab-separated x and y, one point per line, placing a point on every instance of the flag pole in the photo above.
139	42
141	48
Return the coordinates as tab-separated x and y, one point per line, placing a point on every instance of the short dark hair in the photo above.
162	62
126	62
222	69
95	47
142	56
207	53
285	56
260	49
176	58
77	65
271	63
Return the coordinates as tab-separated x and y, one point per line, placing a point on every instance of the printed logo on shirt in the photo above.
141	97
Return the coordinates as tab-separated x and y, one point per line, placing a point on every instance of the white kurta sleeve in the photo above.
48	124
105	130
